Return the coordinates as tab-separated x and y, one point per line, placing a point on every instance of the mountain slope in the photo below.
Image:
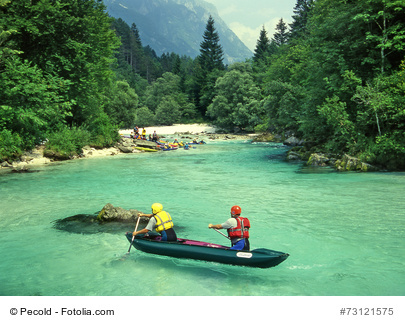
177	26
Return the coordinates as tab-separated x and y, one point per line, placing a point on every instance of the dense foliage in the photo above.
55	69
338	80
334	77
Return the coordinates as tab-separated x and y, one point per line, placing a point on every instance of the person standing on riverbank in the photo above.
238	229
160	221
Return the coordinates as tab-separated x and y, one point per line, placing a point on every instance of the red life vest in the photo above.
241	230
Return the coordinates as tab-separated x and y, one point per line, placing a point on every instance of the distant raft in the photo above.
146	149
168	148
201	142
193	249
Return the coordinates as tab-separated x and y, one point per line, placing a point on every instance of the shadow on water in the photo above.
88	224
17	172
200	161
276	157
189	267
316	170
25	171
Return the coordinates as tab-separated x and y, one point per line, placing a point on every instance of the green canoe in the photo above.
192	249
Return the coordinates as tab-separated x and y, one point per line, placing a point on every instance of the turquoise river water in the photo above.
344	231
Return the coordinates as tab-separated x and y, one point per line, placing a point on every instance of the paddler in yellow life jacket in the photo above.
160	221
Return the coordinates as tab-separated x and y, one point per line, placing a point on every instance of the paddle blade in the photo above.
130	246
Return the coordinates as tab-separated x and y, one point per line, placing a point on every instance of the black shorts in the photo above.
169	236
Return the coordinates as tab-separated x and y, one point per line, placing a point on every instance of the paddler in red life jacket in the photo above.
160	221
238	229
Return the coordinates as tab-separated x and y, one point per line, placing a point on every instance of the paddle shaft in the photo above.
133	237
222	233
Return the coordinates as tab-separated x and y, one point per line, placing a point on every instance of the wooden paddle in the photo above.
221	233
133	237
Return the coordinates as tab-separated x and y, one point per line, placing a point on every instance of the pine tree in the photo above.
262	46
208	64
177	65
302	10
137	37
137	54
280	37
211	53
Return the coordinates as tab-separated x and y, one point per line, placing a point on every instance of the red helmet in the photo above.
236	210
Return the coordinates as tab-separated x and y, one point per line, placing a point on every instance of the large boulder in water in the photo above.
110	219
110	213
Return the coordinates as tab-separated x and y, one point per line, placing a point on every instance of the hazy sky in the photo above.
246	17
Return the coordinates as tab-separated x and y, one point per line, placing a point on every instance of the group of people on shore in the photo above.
142	136
161	221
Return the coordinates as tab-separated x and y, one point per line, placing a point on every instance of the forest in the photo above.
72	76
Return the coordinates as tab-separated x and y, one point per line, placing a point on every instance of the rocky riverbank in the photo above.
39	157
301	151
340	163
36	157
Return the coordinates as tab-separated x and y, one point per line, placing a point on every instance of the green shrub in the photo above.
261	128
66	143
103	132
388	151
11	145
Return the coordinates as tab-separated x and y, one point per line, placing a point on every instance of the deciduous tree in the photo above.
237	99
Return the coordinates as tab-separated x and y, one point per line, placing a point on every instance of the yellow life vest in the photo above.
163	221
